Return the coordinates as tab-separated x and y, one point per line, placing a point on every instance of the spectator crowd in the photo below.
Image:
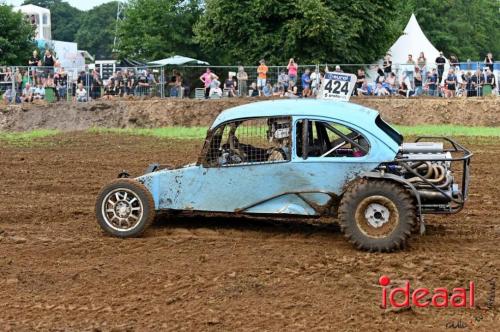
45	78
416	78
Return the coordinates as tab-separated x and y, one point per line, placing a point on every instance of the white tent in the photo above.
413	41
178	60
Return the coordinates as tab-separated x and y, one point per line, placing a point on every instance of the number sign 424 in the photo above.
337	86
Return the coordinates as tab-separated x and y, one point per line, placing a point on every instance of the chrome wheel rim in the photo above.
122	209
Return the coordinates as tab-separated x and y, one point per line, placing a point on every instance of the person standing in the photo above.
262	76
431	82
409	70
206	78
49	62
242	78
418	82
387	64
422	64
315	82
477	81
440	62
292	70
306	84
451	83
34	62
489	83
95	90
360	80
489	62
454	62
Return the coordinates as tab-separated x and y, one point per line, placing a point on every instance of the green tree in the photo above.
311	31
466	28
153	29
65	18
97	30
16	37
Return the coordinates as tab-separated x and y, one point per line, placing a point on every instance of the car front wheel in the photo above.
125	208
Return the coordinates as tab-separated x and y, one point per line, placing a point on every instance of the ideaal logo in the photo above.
439	297
419	297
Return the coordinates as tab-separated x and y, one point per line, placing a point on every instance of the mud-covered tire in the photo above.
124	208
377	215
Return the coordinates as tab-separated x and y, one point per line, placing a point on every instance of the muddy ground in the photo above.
60	272
174	112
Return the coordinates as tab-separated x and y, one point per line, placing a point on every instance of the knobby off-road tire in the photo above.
377	215
125	208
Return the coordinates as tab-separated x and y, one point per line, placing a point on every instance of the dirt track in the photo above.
174	112
59	272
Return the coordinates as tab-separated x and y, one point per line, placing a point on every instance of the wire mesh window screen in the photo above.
329	139
250	141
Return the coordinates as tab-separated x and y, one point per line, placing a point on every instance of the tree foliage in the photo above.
97	30
312	31
466	28
65	18
16	37
153	29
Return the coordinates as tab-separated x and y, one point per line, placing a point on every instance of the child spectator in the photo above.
306	84
315	82
262	75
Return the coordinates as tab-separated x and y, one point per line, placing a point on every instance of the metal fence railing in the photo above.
27	84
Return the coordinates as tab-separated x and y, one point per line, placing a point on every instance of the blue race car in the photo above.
310	158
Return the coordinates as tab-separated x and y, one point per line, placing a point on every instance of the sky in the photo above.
80	4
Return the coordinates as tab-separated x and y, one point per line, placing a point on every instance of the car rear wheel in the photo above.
125	208
377	215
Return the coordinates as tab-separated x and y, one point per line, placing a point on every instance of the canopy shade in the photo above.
178	60
413	41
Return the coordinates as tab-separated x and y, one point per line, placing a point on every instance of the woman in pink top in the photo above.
292	71
206	78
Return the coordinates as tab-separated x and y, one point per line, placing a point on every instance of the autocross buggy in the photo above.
315	158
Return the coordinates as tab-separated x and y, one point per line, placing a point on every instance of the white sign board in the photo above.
337	86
